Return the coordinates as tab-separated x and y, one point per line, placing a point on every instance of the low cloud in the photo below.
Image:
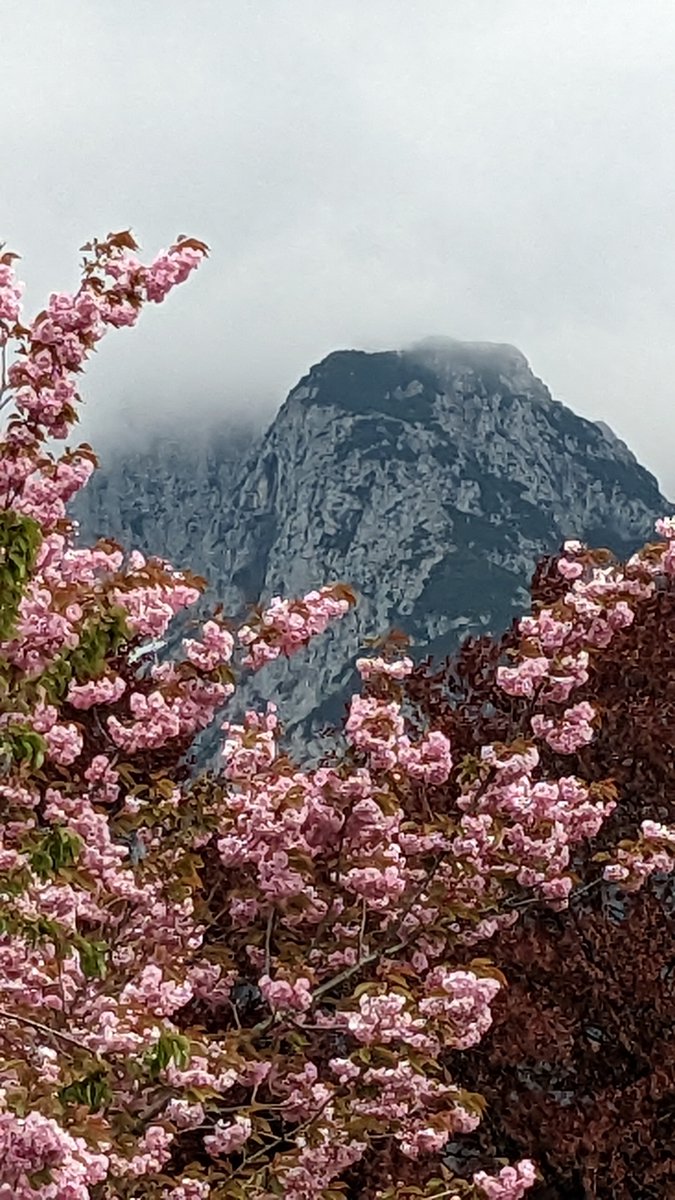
366	175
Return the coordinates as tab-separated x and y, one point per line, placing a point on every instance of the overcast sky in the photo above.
366	172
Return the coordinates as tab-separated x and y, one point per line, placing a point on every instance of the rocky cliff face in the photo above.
167	497
429	479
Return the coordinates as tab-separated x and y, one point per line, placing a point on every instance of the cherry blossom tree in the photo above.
255	982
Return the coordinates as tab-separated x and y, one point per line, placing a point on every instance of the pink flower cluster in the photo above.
106	690
188	1189
568	734
250	749
386	1017
316	1164
183	1114
429	761
404	1098
653	852
296	907
284	996
150	608
515	826
103	778
42	631
285	626
275	820
374	668
62	337
376	727
462	999
35	1144
152	1153
11	292
214	649
228	1138
169	269
153	992
63	741
556	643
523	679
157	719
510	1184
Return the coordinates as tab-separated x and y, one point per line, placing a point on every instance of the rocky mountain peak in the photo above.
356	380
430	479
491	364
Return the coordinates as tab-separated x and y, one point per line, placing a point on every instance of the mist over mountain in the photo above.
429	479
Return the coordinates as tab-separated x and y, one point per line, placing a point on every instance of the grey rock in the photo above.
429	479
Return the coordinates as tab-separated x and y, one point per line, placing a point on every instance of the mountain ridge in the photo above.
429	478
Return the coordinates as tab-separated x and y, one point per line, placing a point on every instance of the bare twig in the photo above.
343	976
284	1138
4	400
235	1014
530	900
362	930
268	940
46	1030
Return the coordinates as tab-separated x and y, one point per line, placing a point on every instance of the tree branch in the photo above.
46	1030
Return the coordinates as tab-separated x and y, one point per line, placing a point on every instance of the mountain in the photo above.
167	495
429	479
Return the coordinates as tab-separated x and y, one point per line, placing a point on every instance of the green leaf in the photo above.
92	1090
93	958
20	538
58	847
170	1047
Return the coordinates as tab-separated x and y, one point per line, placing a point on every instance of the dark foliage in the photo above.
579	1068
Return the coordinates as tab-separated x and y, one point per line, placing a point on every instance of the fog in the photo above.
366	175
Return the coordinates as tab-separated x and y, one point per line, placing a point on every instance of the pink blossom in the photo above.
370	668
571	731
32	1144
570	570
215	648
430	760
183	1114
666	527
510	1184
282	995
106	690
463	999
521	679
189	1189
155	993
285	626
228	1138
425	1140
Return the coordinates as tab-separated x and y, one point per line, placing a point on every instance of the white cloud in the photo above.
366	174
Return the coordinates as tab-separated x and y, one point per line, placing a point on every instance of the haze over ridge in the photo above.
497	172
